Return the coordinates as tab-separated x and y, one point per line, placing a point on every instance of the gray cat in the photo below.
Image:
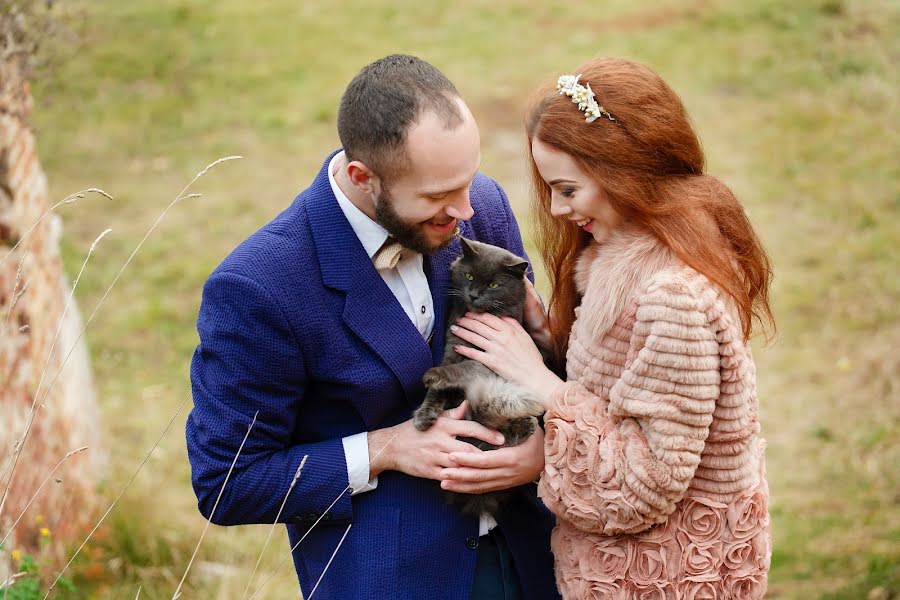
484	279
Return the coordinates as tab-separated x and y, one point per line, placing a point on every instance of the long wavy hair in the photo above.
650	164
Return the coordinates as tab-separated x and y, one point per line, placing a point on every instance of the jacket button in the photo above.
471	542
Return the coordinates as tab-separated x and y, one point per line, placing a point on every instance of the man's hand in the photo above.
476	472
424	453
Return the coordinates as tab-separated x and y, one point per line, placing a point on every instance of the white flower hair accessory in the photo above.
567	85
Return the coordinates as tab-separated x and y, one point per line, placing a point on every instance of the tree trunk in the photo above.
33	297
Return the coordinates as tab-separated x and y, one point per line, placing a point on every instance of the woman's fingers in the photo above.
470	336
492	321
473	430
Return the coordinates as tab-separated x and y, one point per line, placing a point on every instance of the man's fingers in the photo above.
457	413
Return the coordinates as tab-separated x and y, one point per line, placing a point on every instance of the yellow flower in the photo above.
39	519
17	555
45	532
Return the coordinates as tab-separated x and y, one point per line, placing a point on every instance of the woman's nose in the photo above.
559	208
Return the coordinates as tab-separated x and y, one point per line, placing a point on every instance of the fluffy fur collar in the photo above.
608	276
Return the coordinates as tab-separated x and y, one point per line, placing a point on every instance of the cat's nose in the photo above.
472	296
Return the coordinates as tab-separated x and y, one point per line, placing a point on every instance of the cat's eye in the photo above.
469	277
493	285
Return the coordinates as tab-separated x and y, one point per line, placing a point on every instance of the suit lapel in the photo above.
371	311
437	270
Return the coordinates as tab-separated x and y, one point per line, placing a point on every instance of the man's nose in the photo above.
461	207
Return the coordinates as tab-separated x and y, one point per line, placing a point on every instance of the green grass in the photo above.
797	106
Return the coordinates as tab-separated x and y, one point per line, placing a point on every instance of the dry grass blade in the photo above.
272	528
37	391
215	506
138	595
15	289
300	541
328	564
36	493
102	300
322	516
11	580
122	493
67	200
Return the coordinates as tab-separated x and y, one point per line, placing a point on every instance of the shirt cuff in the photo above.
356	451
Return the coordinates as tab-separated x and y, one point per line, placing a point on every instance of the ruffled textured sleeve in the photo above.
622	466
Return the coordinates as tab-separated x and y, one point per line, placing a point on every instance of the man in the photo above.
324	322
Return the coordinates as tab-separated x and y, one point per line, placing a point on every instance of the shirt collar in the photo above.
371	234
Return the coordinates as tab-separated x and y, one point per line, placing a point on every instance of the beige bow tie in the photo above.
388	255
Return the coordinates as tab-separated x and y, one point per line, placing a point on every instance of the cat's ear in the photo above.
517	270
467	248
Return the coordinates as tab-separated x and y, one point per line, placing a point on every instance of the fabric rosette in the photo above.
747	516
550	486
654	561
748	556
603	458
745	587
651	590
701	561
568	548
579	451
700	590
702	519
593	417
603	589
558	435
567	404
607	560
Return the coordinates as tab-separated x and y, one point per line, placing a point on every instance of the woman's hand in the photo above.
476	472
535	319
506	349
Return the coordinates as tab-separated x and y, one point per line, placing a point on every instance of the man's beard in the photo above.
410	235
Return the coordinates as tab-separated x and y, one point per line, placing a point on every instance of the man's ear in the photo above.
362	177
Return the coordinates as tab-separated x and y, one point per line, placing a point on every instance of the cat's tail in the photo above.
493	402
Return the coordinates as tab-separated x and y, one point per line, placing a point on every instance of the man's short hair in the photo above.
383	101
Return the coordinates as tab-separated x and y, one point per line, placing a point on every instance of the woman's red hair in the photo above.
650	164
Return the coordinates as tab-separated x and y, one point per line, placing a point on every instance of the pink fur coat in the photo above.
654	465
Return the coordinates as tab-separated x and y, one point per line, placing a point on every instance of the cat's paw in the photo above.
425	416
432	377
519	430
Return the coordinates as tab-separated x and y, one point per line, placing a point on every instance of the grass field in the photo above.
797	103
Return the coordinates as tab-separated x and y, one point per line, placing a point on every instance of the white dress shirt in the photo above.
409	285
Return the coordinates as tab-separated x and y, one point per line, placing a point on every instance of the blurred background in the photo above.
796	102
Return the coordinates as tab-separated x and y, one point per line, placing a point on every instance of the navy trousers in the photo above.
495	575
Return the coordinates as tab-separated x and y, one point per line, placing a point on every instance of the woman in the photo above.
654	466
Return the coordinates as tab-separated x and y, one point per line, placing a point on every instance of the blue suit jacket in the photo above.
298	325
